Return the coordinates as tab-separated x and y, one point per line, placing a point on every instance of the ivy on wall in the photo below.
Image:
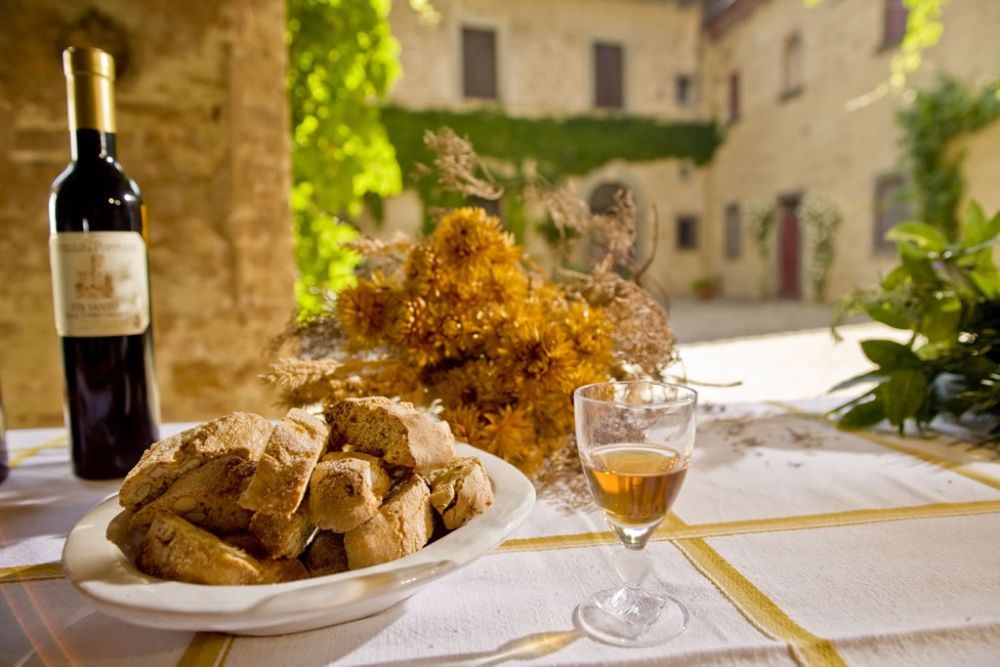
934	119
553	147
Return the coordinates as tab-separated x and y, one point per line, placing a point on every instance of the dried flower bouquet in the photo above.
463	323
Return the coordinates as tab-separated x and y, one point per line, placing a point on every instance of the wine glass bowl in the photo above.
635	440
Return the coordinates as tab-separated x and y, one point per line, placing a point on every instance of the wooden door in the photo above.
790	251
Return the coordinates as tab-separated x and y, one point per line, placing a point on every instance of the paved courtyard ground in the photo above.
775	350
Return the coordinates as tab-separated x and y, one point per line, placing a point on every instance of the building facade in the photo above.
808	137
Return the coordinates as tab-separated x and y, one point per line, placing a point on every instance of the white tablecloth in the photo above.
791	543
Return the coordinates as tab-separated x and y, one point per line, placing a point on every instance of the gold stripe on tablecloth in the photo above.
24	573
673	528
207	649
761	611
22	455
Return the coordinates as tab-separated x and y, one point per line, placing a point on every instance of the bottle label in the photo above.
100	281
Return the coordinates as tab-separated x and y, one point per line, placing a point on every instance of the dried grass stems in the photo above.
467	326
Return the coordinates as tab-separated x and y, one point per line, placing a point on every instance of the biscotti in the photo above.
402	526
286	465
460	491
206	496
395	432
326	554
374	482
282	536
175	549
346	490
239	434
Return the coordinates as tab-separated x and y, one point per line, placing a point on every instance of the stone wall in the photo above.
202	122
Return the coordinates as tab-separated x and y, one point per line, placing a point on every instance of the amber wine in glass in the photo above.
635	440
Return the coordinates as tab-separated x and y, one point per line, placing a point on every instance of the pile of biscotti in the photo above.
241	501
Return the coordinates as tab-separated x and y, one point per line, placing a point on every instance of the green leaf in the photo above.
942	317
920	268
925	237
976	228
885	313
864	378
863	415
896	278
890	355
903	394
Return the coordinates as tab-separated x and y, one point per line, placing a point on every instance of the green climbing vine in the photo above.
821	218
934	119
554	148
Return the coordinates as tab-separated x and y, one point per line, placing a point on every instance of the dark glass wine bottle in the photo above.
100	281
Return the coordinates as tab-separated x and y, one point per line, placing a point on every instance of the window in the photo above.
734	97
687	232
608	76
792	75
684	96
479	63
894	26
891	208
734	232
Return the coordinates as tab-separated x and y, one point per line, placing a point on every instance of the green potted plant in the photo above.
705	287
946	292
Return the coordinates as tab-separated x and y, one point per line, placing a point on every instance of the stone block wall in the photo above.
202	126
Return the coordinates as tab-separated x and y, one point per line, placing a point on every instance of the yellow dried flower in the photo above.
363	311
509	434
464	323
472	239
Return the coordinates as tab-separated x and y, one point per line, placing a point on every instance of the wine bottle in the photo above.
100	282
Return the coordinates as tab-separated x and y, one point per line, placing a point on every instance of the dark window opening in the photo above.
792	68
894	27
608	76
687	232
684	94
479	63
734	232
734	97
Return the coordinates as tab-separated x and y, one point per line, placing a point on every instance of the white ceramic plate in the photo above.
94	561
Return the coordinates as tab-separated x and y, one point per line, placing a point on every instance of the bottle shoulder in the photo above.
95	192
102	176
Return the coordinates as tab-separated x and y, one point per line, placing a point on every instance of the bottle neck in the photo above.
87	143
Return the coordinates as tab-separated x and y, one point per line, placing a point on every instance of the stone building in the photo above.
795	86
203	128
792	84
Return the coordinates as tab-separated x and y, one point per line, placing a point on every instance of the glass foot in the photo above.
631	617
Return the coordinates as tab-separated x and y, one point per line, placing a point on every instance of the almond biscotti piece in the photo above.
283	536
206	496
175	549
402	526
346	490
284	468
241	434
396	432
460	491
326	554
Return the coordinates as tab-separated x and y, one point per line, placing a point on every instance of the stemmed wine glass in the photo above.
635	440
